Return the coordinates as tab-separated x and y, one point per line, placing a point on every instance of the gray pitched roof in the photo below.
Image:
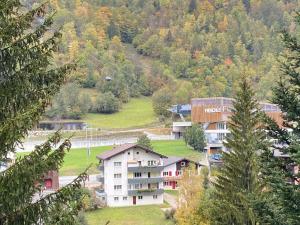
122	148
174	159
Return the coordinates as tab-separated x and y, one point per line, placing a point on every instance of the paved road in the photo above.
28	146
91	182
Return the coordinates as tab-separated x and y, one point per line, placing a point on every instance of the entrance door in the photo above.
173	184
134	200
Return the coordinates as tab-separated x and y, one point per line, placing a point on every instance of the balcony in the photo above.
100	179
150	180
101	167
172	178
145	192
145	169
100	192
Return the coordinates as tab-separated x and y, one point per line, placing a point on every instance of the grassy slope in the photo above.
172	192
146	215
77	160
137	113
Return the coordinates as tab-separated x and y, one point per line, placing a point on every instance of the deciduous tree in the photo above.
194	136
143	140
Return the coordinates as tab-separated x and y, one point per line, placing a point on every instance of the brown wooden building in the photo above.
218	110
214	114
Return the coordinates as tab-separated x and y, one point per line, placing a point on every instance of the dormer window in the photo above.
137	153
182	163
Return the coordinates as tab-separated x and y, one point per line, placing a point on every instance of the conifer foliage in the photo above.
237	182
27	82
279	173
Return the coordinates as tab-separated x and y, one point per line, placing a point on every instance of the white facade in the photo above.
173	170
132	177
170	174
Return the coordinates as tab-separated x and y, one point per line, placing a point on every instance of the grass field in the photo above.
172	192
77	160
137	113
138	215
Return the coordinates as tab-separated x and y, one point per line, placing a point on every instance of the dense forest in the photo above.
172	49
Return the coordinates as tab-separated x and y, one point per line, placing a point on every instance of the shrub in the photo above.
107	103
169	214
143	140
162	101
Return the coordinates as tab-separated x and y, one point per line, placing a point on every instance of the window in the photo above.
116	199
220	126
140	197
165	174
117	175
166	183
182	163
117	163
137	153
138	174
124	198
151	163
154	196
138	186
118	187
128	153
221	136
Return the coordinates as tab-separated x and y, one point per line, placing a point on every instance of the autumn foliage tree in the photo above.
193	201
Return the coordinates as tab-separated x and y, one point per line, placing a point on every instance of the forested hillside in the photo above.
173	48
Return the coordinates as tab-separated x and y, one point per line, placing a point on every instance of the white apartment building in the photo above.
131	175
173	169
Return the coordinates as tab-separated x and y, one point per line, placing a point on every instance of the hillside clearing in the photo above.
137	113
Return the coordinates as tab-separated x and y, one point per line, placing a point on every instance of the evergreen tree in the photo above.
27	81
143	140
237	181
283	196
113	30
195	137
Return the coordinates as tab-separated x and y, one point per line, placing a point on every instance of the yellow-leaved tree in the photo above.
192	200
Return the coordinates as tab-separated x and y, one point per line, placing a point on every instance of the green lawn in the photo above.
172	192
138	215
77	159
137	113
176	148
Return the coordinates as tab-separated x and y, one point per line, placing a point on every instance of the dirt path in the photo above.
171	200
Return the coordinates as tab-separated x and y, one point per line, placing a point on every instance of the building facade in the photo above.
130	175
173	170
214	114
51	180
